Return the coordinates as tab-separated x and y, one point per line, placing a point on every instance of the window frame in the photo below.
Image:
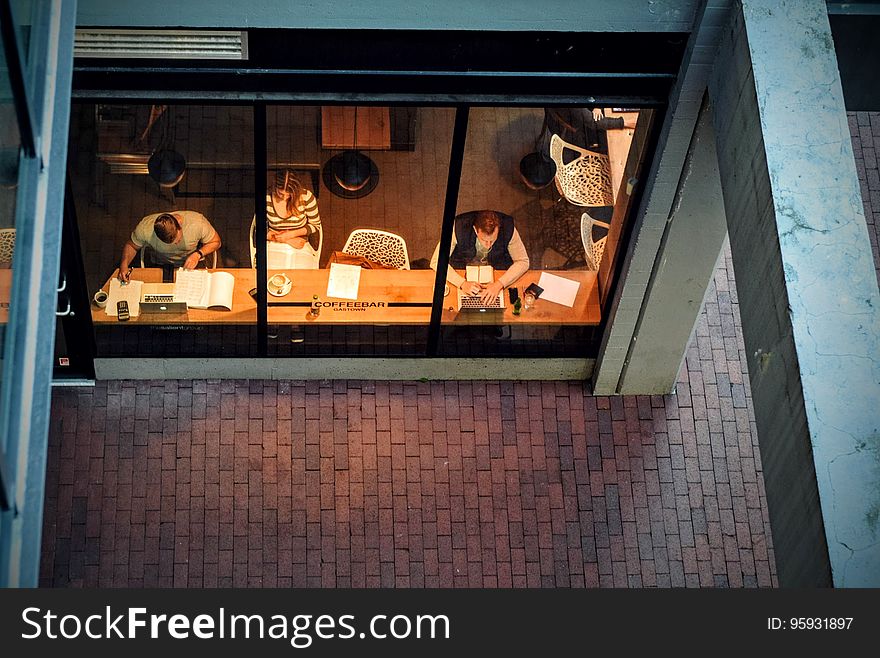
136	82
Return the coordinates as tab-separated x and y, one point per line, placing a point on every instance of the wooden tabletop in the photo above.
338	127
244	308
384	297
585	309
5	293
618	148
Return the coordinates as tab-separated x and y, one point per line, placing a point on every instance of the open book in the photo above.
203	289
479	273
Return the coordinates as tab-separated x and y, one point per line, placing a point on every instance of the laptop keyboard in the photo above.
158	299
474	301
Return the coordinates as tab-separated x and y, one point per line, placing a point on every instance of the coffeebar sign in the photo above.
350	306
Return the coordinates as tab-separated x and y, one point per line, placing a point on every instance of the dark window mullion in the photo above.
78	328
260	227
453	182
15	67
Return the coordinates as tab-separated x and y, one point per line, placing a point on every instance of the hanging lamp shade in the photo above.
351	174
166	167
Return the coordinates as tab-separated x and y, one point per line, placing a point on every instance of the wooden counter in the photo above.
5	293
244	308
585	309
338	130
384	297
618	148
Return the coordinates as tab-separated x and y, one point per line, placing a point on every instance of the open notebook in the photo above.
203	289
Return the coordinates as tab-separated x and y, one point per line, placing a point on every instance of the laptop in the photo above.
474	303
159	298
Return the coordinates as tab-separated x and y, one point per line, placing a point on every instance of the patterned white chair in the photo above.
379	246
586	180
593	250
7	245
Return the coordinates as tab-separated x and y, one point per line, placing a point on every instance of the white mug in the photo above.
278	282
100	299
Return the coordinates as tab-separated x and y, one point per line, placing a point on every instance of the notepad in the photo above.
479	273
344	281
558	289
203	289
130	292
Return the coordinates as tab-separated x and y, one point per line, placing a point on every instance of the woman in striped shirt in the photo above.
292	212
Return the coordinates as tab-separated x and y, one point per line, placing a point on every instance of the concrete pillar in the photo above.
807	290
689	250
644	253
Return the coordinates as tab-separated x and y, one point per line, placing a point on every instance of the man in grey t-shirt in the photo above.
181	239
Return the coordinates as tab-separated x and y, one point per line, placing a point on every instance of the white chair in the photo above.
306	258
383	247
212	256
7	245
586	180
593	250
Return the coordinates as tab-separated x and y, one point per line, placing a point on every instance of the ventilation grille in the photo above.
161	44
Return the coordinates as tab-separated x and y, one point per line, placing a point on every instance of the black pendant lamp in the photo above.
351	174
536	169
166	166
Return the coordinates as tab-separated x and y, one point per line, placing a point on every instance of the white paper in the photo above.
221	289
130	292
558	289
344	281
203	289
479	273
191	286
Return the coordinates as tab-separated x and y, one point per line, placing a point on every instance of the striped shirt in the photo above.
305	214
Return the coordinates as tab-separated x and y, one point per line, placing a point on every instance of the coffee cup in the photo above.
278	282
100	299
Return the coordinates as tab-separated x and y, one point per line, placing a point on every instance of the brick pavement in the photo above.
455	484
458	484
359	484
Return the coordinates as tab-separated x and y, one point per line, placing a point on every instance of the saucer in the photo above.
282	291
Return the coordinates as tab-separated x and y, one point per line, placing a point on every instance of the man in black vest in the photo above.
485	237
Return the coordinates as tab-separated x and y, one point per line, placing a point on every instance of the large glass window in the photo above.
10	150
158	187
368	184
538	198
347	225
